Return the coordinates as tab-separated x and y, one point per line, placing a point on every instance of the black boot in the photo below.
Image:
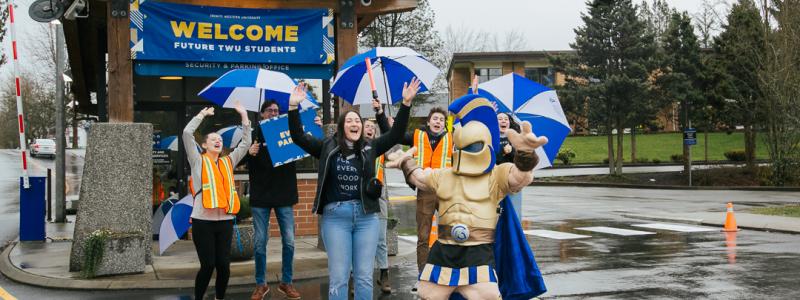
384	283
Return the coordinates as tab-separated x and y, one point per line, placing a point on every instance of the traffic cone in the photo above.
434	235
730	220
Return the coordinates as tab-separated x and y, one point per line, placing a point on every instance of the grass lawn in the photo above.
784	211
593	149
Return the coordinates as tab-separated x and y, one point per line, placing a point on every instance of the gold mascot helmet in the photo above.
476	135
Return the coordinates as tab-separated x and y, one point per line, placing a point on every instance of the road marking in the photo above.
675	227
556	235
408	238
6	295
403	198
616	231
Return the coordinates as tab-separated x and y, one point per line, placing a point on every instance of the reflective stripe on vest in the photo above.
379	163
438	158
218	187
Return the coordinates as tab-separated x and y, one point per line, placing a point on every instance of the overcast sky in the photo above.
547	24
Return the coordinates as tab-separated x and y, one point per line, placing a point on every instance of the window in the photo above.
487	74
543	76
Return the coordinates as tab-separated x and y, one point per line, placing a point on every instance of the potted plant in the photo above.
243	232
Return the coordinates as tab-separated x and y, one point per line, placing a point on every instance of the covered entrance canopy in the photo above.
100	48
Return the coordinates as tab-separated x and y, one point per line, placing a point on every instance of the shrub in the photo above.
566	156
642	160
605	161
93	249
736	155
676	157
245	211
656	161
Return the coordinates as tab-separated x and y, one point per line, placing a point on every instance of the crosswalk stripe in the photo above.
6	295
616	231
556	235
675	227
408	238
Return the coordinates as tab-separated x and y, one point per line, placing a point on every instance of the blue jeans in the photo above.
351	238
516	201
382	255
285	216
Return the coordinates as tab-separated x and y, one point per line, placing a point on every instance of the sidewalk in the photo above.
743	220
46	264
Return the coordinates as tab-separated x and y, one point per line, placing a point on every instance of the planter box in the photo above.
124	253
391	236
246	238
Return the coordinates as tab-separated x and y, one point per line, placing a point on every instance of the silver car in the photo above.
43	147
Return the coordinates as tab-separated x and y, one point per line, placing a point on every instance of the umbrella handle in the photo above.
371	79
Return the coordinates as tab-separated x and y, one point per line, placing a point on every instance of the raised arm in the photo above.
386	142
189	144
525	158
380	116
307	142
241	150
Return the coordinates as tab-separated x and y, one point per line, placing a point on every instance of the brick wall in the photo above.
459	81
305	221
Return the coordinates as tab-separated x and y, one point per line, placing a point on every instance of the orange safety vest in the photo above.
218	188
379	165
439	158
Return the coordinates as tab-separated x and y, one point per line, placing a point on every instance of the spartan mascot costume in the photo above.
481	252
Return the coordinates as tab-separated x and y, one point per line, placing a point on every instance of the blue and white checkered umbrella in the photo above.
392	67
529	101
252	87
169	143
231	136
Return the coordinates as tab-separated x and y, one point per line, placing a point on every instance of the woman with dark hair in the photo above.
506	154
347	194
216	202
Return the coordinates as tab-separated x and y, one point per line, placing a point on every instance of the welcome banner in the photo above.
178	32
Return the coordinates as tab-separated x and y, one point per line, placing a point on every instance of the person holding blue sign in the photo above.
271	188
216	201
347	191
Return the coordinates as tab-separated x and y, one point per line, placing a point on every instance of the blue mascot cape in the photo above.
518	275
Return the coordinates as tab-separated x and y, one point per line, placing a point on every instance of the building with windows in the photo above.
534	65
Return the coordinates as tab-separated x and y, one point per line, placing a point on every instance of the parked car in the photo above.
41	147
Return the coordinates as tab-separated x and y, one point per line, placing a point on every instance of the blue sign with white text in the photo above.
279	142
216	69
177	32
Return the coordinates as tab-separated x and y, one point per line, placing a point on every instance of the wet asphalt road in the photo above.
666	265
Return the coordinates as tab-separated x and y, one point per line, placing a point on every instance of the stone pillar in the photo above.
116	190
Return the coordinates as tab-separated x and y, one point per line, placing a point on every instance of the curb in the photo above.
9	270
667	187
705	222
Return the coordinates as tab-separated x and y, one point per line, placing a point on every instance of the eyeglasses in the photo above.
272	110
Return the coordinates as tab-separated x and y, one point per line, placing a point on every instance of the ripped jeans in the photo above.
351	240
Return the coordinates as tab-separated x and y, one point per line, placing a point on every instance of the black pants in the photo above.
212	240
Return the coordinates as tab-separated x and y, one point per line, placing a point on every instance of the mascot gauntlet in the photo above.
408	165
525	161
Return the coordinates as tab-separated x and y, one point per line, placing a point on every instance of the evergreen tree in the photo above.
681	72
738	52
614	61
